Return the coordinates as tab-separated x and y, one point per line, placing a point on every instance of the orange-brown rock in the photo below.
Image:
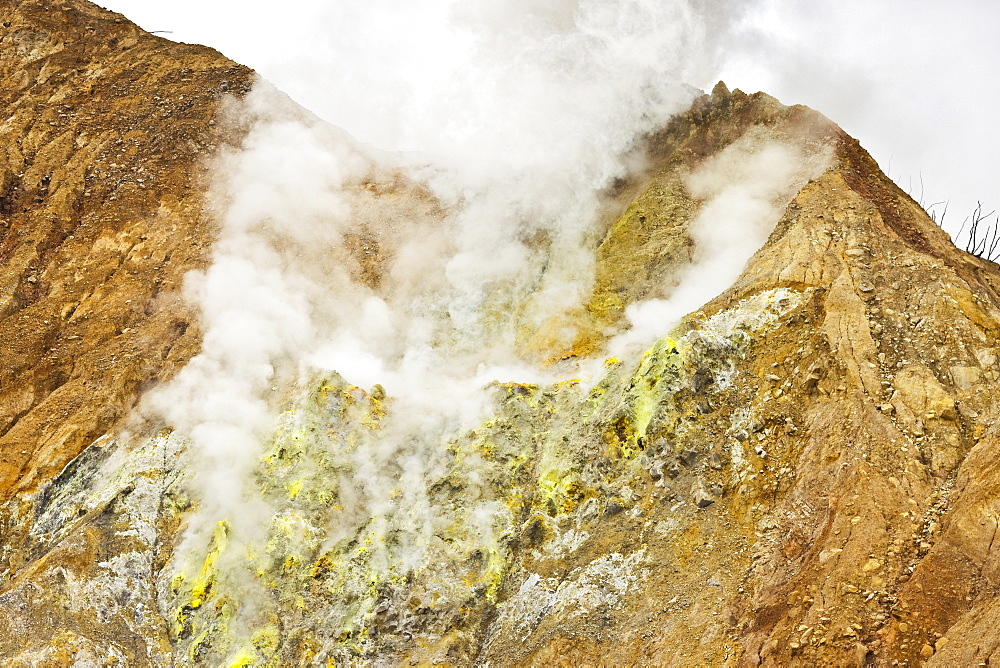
102	211
806	475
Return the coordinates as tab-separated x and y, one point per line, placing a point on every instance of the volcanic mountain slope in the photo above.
102	211
803	473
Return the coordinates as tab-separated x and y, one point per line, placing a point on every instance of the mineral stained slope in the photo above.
803	473
102	211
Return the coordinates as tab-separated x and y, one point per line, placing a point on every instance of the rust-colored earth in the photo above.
863	535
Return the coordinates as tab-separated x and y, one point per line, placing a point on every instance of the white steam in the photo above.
744	189
521	112
514	120
257	299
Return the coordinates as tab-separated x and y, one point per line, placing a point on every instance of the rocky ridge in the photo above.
802	473
102	211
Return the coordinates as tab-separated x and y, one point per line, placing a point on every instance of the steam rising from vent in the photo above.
520	112
744	190
257	299
414	260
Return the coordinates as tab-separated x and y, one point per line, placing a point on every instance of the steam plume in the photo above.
515	119
744	189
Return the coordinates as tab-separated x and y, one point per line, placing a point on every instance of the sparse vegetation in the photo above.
983	234
980	231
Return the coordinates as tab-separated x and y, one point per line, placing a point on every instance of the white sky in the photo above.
914	80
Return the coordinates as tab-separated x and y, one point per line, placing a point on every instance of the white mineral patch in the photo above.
566	543
740	466
601	583
755	313
666	527
124	588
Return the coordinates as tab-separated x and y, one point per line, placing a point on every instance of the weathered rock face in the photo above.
803	473
102	200
102	211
